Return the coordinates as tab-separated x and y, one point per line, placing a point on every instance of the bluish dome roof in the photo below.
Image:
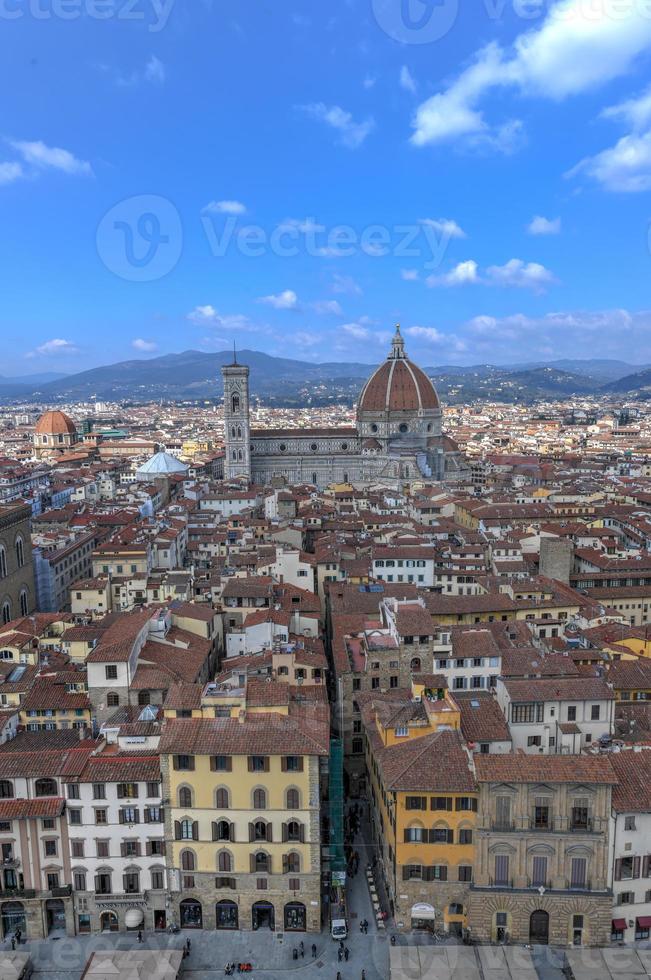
162	464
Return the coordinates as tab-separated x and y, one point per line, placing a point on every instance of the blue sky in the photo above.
298	177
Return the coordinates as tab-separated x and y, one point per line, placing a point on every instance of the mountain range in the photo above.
195	375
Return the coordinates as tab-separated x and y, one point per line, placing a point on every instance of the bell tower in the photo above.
237	430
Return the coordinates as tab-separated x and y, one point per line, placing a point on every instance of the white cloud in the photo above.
305	338
430	334
626	166
544	226
55	347
515	274
356	330
407	80
463	274
208	316
287	300
636	112
522	275
144	345
409	275
10	171
42	157
351	134
328	307
345	285
225	207
445	227
155	70
579	47
303	226
369	81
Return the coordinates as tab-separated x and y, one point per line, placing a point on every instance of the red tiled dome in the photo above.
55	424
398	386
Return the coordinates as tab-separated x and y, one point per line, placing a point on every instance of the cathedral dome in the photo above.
398	385
55	424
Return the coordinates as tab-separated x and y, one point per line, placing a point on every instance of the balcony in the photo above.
11	862
582	826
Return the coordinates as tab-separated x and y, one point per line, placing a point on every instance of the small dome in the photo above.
398	385
163	464
55	424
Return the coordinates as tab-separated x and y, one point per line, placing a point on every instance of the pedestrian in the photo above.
313	951
294	953
188	944
346	953
301	949
13	942
363	975
340	954
338	975
139	935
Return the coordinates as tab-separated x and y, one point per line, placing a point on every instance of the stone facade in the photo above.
397	438
541	868
17	588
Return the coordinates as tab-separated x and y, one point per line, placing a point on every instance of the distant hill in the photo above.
34	379
601	369
638	384
196	375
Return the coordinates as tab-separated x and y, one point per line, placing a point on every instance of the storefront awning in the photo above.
643	921
619	925
422	911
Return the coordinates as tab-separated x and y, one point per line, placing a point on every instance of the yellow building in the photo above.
243	777
423	805
57	701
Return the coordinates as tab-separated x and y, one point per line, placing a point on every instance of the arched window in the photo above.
239	455
260	830
24	602
415	663
239	432
6	611
20	551
293	799
234	454
187	829
259	799
188	860
45	787
235	402
221	799
185	797
224	861
292	863
3	562
222	830
6	789
314	479
294	830
233	431
112	700
261	862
